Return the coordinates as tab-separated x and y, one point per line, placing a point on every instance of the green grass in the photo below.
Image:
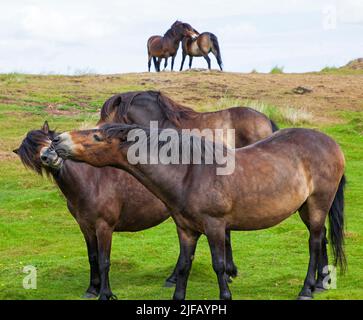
287	115
341	71
277	70
36	229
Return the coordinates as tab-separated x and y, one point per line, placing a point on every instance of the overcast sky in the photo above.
109	36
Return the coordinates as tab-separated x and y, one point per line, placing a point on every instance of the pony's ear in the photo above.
45	127
16	150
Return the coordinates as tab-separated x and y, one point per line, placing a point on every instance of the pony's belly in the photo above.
252	221
194	50
137	222
267	213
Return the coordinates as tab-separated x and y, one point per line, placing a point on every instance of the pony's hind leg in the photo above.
323	272
314	218
206	57
166	63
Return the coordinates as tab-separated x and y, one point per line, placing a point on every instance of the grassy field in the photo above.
36	228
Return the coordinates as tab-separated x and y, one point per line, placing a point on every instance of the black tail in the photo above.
216	50
274	126
336	221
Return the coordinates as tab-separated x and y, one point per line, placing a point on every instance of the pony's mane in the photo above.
29	150
120	104
120	131
171	31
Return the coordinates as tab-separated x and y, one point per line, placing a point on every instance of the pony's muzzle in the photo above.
50	158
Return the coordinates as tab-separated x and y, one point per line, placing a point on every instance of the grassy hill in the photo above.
36	229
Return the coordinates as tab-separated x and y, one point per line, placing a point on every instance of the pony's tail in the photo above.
336	222
274	126
216	50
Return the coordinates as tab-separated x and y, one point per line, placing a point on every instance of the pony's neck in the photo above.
66	178
174	36
164	181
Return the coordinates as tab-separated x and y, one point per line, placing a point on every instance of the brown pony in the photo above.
102	200
293	170
141	107
205	43
168	45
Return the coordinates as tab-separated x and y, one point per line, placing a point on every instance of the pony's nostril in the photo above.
44	158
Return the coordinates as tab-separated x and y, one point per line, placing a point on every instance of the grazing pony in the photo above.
141	107
201	46
292	170
102	200
168	45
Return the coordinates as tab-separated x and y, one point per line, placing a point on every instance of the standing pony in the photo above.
292	170
159	47
102	200
205	43
141	107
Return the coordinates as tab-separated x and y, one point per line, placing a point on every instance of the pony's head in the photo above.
34	153
105	146
184	29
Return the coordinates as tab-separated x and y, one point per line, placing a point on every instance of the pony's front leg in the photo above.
166	63
215	232
104	238
188	241
190	61
94	286
171	280
182	63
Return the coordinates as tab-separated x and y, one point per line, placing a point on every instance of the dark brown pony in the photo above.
159	47
141	107
201	46
102	200
293	170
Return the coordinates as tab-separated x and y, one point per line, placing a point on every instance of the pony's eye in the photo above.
97	138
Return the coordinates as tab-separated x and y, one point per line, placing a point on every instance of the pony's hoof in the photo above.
89	295
304	298
319	290
169	284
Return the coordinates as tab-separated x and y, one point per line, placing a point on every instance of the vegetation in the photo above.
36	228
277	70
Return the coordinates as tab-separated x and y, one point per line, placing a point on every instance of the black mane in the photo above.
29	150
120	131
121	103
